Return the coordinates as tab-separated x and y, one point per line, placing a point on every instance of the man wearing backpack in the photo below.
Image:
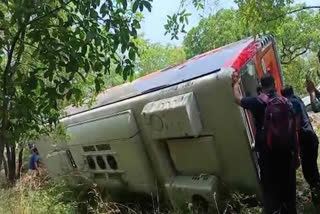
309	143
275	144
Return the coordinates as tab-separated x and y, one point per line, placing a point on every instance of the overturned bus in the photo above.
176	133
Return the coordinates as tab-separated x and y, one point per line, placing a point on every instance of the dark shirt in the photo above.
257	109
300	111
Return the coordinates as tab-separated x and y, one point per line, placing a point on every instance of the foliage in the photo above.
154	57
256	16
262	16
220	29
39	195
298	34
299	44
177	22
49	199
299	70
47	48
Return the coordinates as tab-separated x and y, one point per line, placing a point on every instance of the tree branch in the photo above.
20	52
11	50
294	57
294	11
50	12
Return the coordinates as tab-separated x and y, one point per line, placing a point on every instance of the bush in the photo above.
24	199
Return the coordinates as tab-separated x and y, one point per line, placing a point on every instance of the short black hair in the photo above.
267	81
287	91
259	89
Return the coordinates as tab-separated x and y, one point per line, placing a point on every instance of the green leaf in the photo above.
181	19
104	9
147	5
136	24
135	6
108	63
126	72
77	93
86	66
118	69
115	43
93	13
84	49
125	4
141	7
134	33
1	15
98	66
132	54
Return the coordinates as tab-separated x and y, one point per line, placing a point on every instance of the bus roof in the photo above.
234	55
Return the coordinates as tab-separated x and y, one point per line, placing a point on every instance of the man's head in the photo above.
287	91
35	150
267	82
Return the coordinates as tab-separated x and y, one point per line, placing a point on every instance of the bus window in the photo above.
249	80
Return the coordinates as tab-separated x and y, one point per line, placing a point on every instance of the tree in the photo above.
299	69
255	15
217	30
47	48
299	44
154	57
262	16
298	34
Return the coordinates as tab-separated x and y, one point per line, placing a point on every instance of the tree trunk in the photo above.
2	155
11	153
5	122
20	162
6	81
5	167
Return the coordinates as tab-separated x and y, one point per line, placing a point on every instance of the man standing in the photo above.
309	143
314	96
34	162
277	161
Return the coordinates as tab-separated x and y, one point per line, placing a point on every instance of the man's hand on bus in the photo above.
236	87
